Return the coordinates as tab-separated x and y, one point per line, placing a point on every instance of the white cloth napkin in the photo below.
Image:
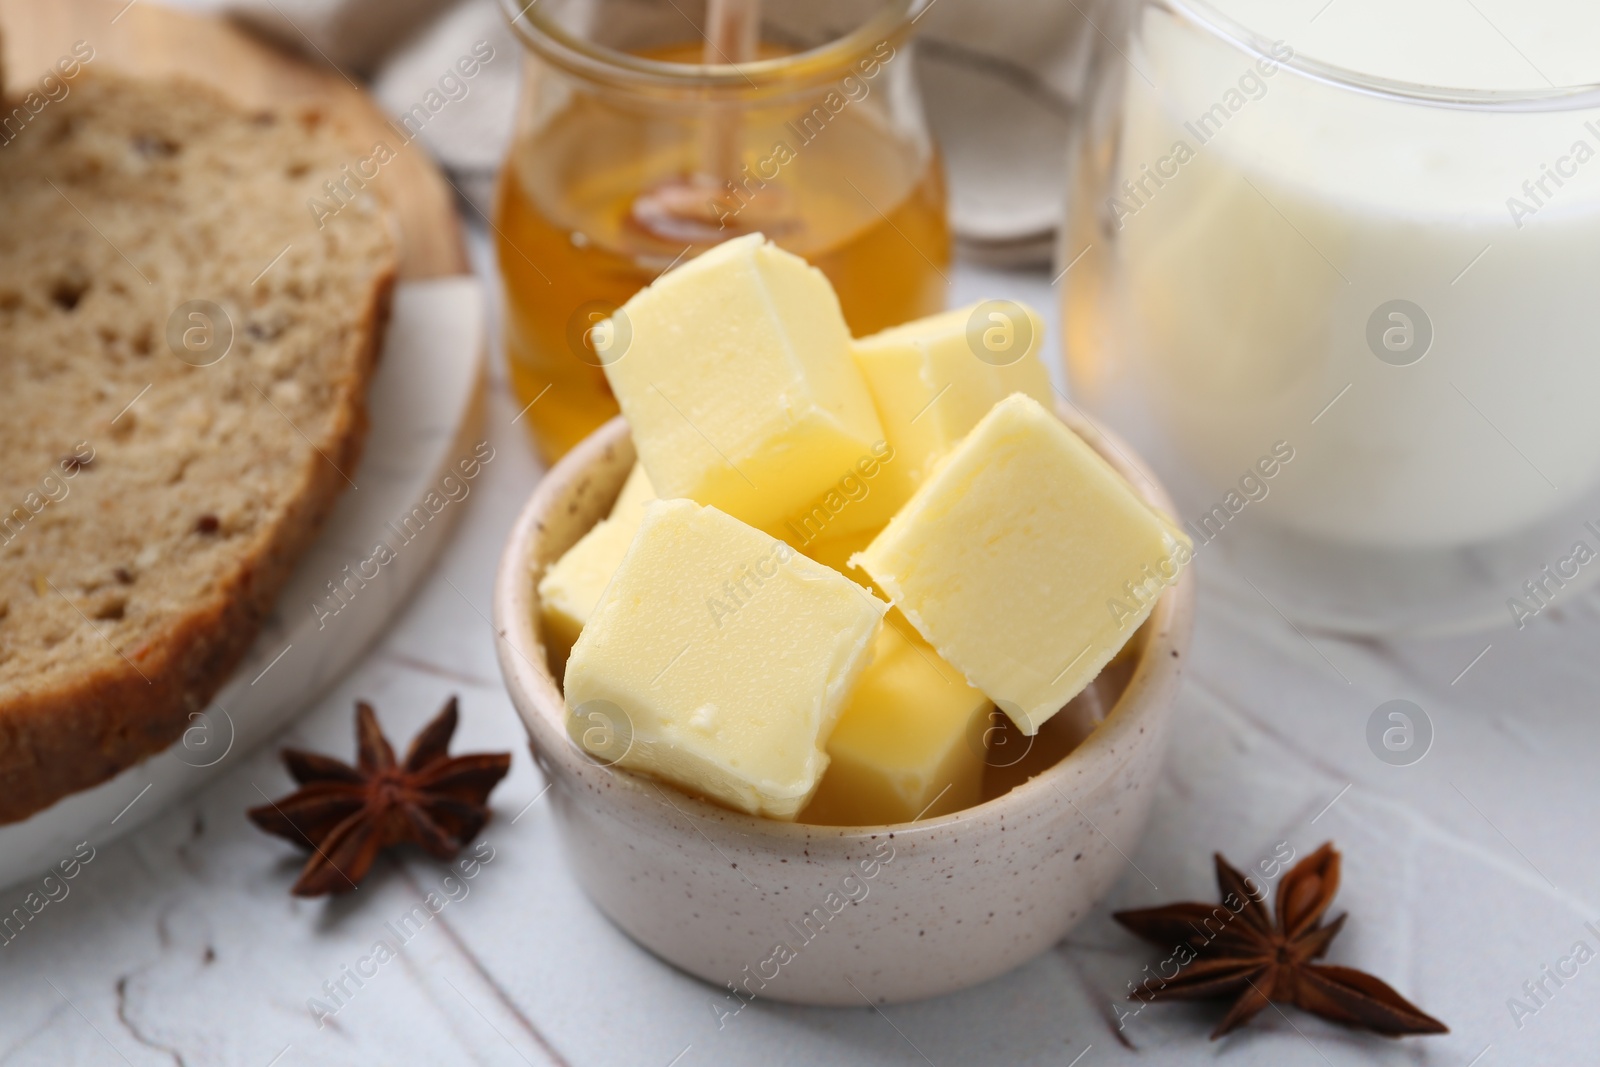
1000	79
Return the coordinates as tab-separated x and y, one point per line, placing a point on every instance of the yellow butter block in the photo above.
636	493
861	501
932	380
1026	560
572	585
836	552
909	744
719	659
734	371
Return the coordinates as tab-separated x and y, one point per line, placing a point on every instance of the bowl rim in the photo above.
542	708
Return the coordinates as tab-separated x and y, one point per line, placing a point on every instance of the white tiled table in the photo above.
1466	873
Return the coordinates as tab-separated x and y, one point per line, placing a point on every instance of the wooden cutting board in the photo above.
146	39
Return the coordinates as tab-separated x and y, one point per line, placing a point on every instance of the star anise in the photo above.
347	815
1235	949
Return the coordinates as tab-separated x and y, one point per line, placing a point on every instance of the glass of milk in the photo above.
1335	266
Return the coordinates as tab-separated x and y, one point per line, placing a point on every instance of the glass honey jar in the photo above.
648	132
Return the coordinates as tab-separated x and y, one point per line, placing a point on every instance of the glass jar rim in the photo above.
553	43
1204	15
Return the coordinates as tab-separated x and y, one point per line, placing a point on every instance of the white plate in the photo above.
426	406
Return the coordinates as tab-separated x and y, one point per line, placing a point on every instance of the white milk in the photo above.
1250	263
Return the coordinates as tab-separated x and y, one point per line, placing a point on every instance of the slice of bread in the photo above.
184	352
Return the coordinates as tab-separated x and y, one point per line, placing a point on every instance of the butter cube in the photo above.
719	659
909	744
735	374
861	501
933	379
837	552
1026	560
572	585
637	492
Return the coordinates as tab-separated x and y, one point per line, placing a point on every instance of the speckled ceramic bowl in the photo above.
830	915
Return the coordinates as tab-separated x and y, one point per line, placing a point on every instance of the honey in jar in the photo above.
633	156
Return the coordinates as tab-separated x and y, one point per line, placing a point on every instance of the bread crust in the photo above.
69	734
